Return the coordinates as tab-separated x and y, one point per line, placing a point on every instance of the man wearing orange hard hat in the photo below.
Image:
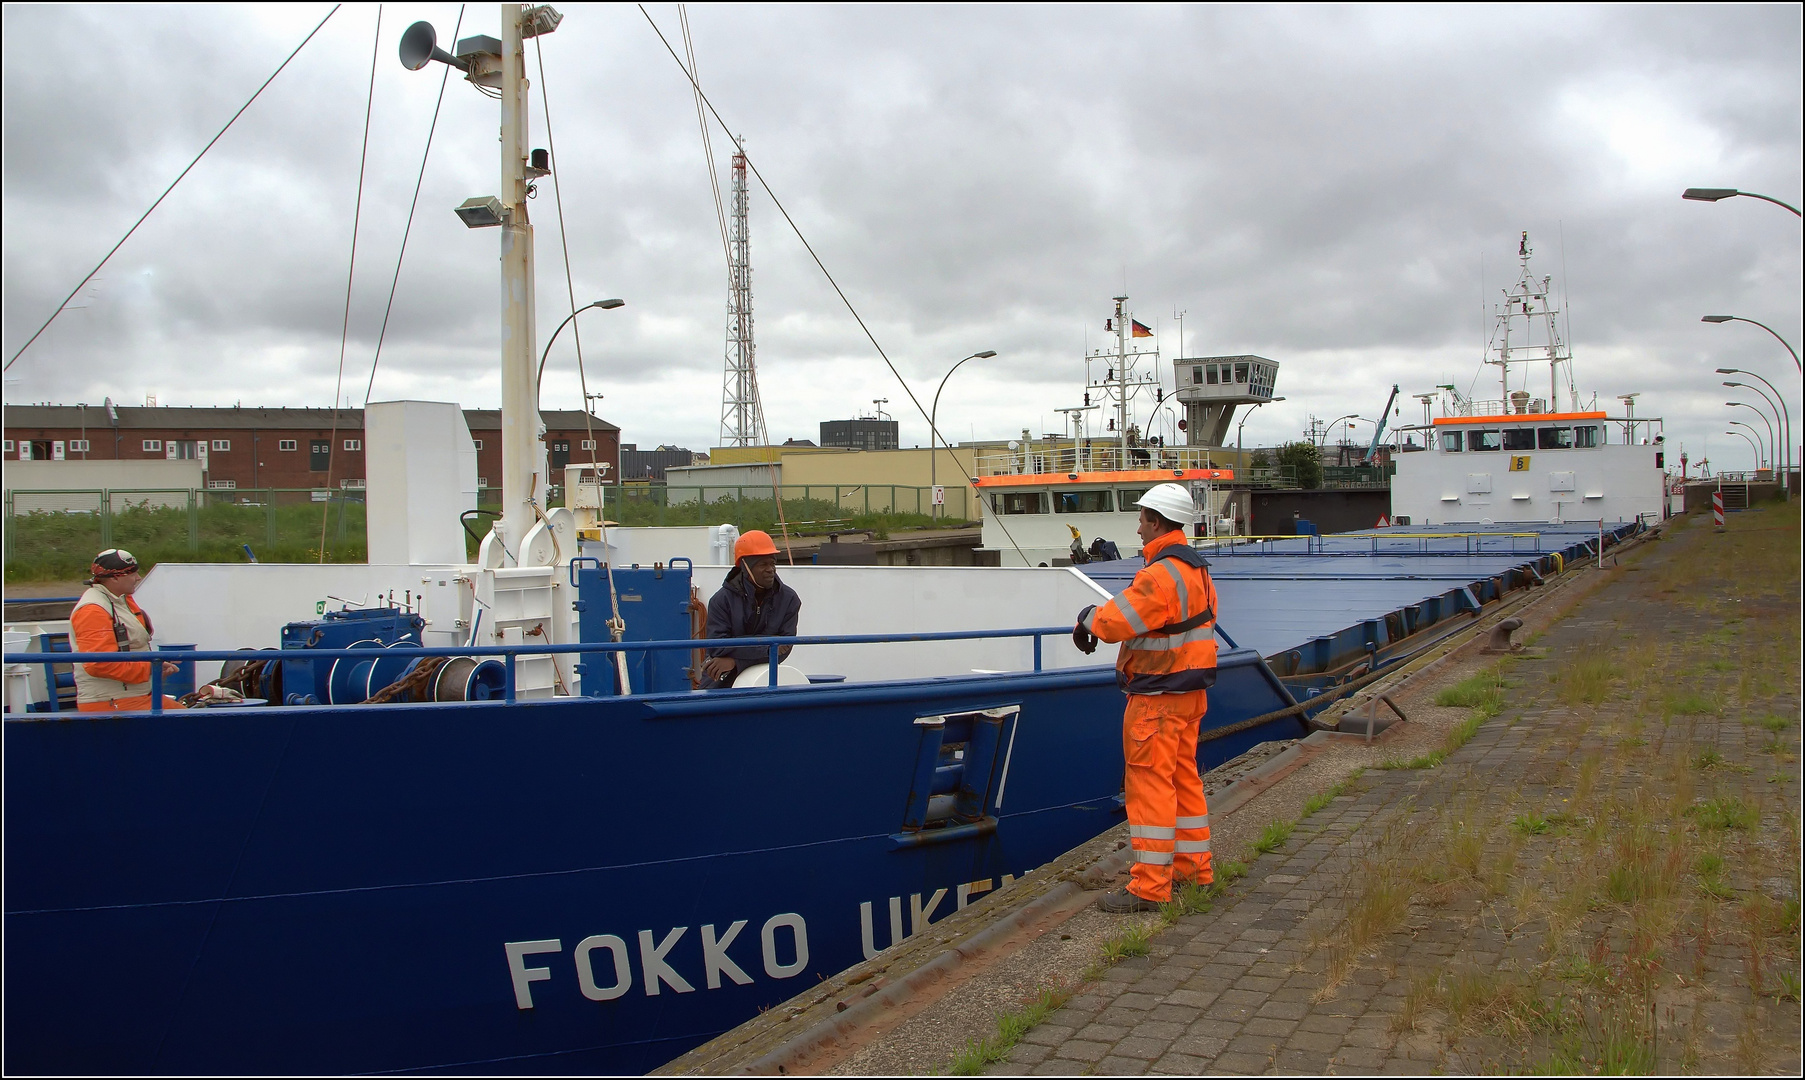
752	602
106	619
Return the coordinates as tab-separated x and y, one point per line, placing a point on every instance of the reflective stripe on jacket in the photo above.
102	622
1165	620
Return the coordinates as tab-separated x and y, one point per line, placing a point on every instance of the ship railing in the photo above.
1472	543
509	653
1099	457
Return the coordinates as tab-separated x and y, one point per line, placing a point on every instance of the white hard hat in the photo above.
1170	501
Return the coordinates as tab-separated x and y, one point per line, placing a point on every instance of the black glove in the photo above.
1081	635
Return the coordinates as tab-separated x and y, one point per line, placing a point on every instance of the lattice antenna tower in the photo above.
742	413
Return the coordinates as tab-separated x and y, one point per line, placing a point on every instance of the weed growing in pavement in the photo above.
1709	869
1011	1026
1188	898
1586	678
1480	690
1690	703
1727	812
1423	994
1789	986
1456	738
1274	836
1773	722
1708	758
1227	874
1530	824
1588	777
1323	798
1126	942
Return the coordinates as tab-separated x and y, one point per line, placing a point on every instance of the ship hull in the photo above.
587	885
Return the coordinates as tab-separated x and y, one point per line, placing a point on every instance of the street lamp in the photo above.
605	305
1781	414
1238	460
1737	318
1765	421
1713	194
934	439
1760	447
1332	423
1751	442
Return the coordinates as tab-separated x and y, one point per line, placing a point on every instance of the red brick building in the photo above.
270	448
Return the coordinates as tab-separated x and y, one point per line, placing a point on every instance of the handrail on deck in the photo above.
508	653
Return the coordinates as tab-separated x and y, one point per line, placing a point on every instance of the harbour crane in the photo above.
1379	427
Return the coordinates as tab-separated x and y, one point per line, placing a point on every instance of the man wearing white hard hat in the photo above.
1166	623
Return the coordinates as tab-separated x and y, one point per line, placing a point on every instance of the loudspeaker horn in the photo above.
420	44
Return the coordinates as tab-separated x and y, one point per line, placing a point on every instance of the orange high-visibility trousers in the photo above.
134	703
1168	819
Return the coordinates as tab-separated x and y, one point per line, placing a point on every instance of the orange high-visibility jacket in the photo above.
1165	620
99	624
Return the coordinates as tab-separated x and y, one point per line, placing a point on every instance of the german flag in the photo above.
1140	328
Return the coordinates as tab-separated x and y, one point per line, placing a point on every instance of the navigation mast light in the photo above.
481	212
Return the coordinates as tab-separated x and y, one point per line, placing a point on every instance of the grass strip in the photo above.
1011	1026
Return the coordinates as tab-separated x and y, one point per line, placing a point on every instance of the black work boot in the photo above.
1123	902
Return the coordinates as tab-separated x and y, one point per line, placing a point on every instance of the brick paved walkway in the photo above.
1568	891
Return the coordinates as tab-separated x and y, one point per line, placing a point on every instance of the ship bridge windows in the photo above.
1127	497
1554	438
1019	502
1587	436
1451	442
1209	372
1197	375
1519	438
1084	502
1485	440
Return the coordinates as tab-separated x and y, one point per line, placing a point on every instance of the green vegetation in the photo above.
55	546
1302	460
1530	824
1274	836
1727	812
1011	1026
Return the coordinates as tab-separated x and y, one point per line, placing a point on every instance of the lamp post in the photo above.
605	305
1239	462
1737	318
1765	422
1332	423
1782	415
934	439
1713	194
1751	442
1760	447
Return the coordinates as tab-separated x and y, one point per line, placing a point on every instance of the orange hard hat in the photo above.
756	542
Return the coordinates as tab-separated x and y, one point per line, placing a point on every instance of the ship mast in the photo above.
1530	300
1120	381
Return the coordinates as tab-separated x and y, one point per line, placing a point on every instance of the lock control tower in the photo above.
1210	387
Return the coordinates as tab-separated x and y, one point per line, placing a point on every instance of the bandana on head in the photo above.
114	562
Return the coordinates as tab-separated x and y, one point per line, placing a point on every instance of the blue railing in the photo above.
508	653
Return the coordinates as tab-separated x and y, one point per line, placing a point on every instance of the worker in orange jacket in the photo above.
107	619
1166	622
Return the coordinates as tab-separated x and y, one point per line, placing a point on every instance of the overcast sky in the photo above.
1338	189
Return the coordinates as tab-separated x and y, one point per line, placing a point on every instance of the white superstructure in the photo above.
1520	457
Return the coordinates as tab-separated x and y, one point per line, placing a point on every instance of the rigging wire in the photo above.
344	336
617	627
197	160
714	179
411	207
810	248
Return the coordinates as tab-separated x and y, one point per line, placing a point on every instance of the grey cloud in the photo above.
1319	185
